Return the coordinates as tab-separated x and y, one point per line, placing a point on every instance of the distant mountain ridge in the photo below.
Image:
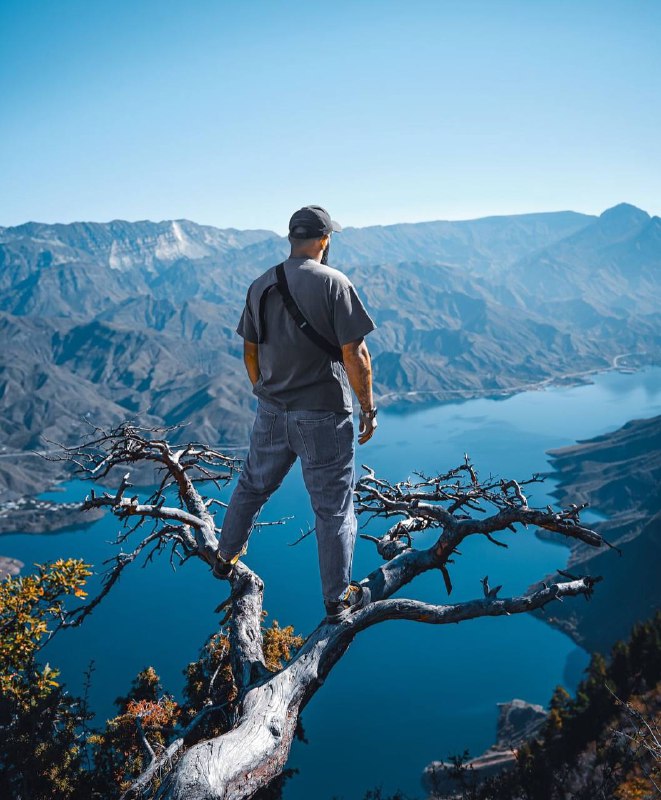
124	318
617	257
123	245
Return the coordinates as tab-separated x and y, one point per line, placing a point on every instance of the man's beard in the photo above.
324	258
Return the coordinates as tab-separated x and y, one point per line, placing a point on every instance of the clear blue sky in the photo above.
236	113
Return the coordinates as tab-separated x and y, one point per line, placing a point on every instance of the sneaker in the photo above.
223	568
356	597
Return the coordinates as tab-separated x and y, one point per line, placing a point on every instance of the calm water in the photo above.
422	691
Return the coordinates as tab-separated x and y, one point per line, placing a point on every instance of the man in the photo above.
303	326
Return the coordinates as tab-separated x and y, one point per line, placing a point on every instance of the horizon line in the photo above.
345	228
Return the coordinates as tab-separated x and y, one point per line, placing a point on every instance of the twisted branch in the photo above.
185	468
457	503
443	502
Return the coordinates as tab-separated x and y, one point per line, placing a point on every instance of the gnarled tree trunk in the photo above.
234	765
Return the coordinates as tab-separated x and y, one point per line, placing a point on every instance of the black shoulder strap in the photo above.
301	323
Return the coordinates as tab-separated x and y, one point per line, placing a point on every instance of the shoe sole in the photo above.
224	576
364	601
231	564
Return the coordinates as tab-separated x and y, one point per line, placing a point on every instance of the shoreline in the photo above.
27	515
401	405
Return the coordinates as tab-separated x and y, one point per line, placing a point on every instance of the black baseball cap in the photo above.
311	222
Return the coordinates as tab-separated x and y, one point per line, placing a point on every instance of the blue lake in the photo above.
422	691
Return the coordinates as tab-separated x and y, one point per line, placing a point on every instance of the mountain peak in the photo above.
622	221
625	212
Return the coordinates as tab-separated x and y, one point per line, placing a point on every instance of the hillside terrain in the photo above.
604	743
619	474
104	321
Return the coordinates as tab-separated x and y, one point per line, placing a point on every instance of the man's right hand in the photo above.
367	428
251	360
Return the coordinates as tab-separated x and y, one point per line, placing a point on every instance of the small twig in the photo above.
143	738
302	536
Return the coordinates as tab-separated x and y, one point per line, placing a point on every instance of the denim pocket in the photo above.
319	439
262	430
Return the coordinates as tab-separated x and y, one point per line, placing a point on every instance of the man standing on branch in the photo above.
303	326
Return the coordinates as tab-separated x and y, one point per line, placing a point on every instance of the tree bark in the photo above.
234	765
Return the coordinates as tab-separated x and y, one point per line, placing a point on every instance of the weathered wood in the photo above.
234	765
246	653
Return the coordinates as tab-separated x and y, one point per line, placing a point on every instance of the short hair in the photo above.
298	243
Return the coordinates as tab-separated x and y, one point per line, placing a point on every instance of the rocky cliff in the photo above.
518	722
619	474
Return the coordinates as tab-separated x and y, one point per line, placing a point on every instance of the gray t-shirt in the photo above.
297	374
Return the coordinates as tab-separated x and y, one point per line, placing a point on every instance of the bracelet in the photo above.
369	414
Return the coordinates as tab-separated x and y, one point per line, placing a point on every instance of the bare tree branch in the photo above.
144	740
305	535
241	761
489	606
457	503
124	507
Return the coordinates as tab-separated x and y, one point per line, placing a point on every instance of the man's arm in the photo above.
358	365
251	360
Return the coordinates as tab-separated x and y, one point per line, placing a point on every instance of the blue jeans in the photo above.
324	441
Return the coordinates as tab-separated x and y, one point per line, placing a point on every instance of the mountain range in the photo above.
104	321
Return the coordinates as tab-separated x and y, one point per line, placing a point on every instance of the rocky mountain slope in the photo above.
619	474
103	321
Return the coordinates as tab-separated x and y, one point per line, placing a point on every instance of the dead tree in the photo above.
254	750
